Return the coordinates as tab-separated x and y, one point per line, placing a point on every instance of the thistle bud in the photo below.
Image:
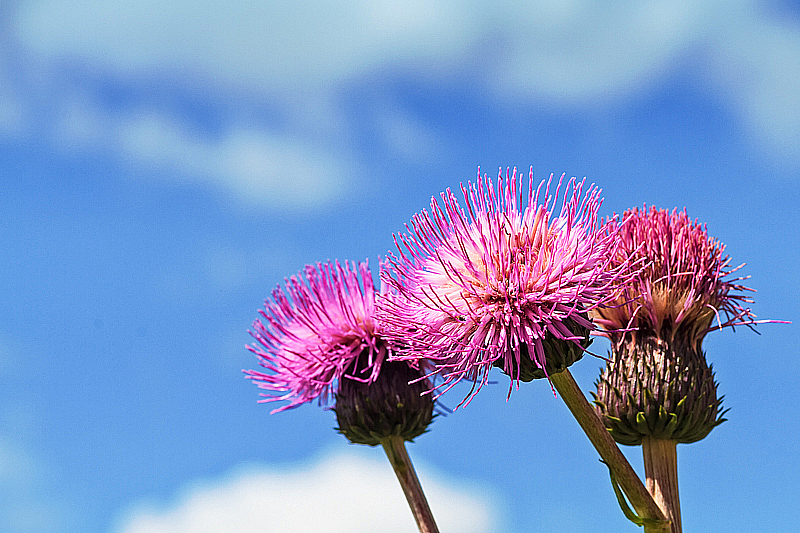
659	383
560	354
654	389
391	405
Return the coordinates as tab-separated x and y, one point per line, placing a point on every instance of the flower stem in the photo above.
395	448
601	439
661	470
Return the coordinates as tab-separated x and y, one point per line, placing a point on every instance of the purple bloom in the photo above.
679	294
319	330
505	280
659	384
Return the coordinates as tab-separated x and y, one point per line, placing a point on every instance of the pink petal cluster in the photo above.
482	286
315	332
679	294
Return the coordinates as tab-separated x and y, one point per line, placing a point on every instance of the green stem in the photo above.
601	439
661	471
395	448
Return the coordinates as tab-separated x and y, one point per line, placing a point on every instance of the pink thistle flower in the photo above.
507	282
317	332
659	384
682	290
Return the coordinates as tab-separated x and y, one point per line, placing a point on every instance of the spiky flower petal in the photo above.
506	282
682	290
313	332
320	337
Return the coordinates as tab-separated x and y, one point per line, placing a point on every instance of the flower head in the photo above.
681	290
659	384
506	282
314	331
320	337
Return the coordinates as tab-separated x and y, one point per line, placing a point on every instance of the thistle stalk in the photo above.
622	472
661	471
395	449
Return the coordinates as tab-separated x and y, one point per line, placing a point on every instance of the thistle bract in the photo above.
393	404
560	355
507	281
653	390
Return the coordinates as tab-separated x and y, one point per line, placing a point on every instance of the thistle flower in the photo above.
321	337
659	391
508	282
659	384
681	290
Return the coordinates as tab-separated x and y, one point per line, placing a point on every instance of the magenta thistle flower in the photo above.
323	338
507	282
313	332
659	384
682	293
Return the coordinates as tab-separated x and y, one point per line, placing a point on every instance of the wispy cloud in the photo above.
24	504
259	167
757	63
345	492
282	48
251	164
299	57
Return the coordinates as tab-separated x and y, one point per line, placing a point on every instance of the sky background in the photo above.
164	165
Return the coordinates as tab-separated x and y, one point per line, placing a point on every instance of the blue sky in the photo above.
165	165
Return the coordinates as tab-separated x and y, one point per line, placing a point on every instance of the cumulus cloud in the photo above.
345	492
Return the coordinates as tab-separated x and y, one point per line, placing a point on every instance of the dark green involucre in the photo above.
657	390
389	406
559	355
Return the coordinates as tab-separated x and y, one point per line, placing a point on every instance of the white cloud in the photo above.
581	51
254	166
300	55
566	51
345	492
280	46
757	62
